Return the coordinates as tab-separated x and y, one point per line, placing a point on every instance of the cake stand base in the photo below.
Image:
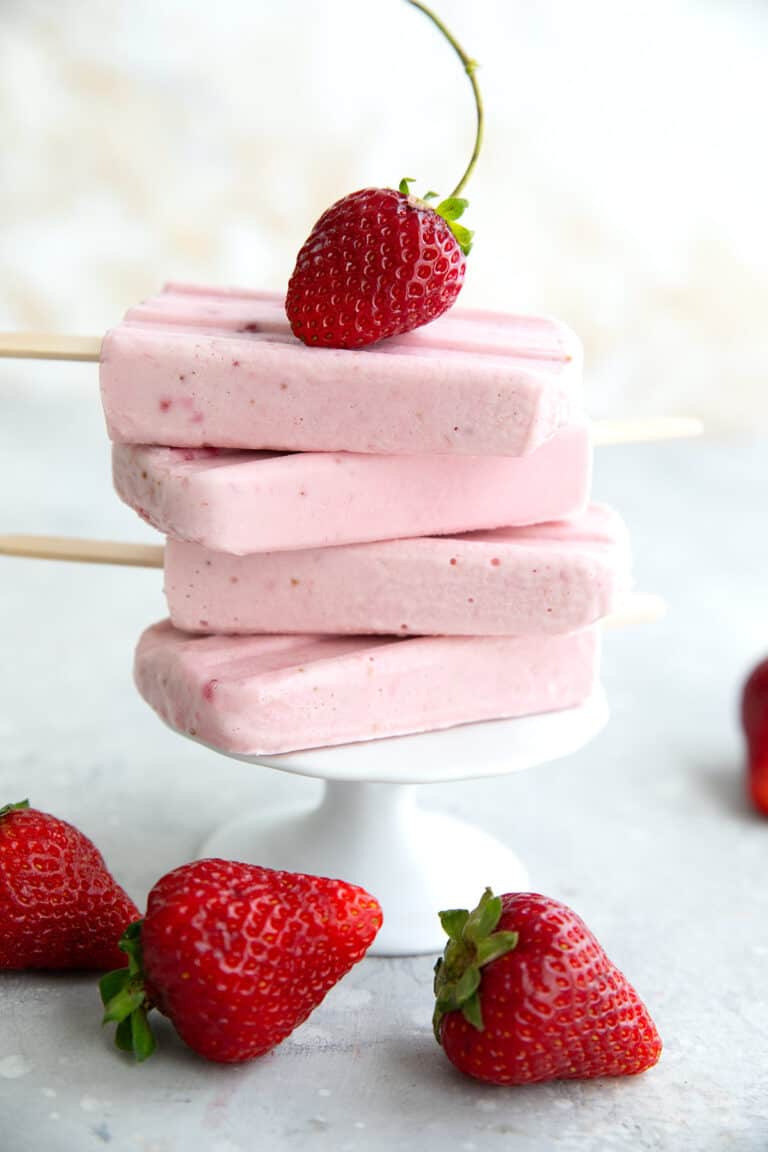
369	830
415	861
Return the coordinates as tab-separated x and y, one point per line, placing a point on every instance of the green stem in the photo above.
19	806
469	67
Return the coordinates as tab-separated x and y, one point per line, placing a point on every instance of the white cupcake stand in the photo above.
370	830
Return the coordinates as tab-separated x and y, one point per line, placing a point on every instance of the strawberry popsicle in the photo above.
244	502
513	581
263	695
194	367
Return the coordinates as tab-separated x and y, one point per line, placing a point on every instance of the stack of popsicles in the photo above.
359	544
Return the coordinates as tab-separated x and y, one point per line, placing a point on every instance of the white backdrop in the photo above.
623	185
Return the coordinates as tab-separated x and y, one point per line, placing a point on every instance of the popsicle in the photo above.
547	578
244	502
195	367
260	695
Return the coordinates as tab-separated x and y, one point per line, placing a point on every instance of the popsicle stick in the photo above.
49	346
641	608
70	548
643	431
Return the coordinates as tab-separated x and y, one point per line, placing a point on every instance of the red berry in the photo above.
525	993
377	263
754	716
237	956
59	906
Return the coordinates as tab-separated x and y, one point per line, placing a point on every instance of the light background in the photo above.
623	186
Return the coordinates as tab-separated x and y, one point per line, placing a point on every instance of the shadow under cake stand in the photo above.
368	828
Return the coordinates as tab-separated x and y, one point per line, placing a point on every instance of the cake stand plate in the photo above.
368	828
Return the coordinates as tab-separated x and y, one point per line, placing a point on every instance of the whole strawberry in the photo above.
381	261
525	993
59	906
754	716
236	956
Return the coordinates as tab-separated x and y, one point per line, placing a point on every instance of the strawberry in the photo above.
377	263
382	261
754	717
525	993
236	956
59	906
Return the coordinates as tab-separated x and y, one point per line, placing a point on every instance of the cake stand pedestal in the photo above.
370	830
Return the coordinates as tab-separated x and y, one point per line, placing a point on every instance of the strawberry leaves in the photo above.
451	209
125	1001
473	942
18	807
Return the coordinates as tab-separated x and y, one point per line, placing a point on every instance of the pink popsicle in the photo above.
259	695
513	581
195	367
244	502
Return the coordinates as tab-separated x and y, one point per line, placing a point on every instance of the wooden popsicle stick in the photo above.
49	346
641	608
645	430
70	548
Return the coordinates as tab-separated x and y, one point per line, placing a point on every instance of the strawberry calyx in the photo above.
473	942
450	209
19	806
125	999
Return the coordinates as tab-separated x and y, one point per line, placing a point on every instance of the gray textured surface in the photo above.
645	833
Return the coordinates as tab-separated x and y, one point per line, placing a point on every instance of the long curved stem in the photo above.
470	66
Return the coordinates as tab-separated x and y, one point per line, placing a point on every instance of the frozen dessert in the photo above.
245	502
512	581
262	695
194	367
